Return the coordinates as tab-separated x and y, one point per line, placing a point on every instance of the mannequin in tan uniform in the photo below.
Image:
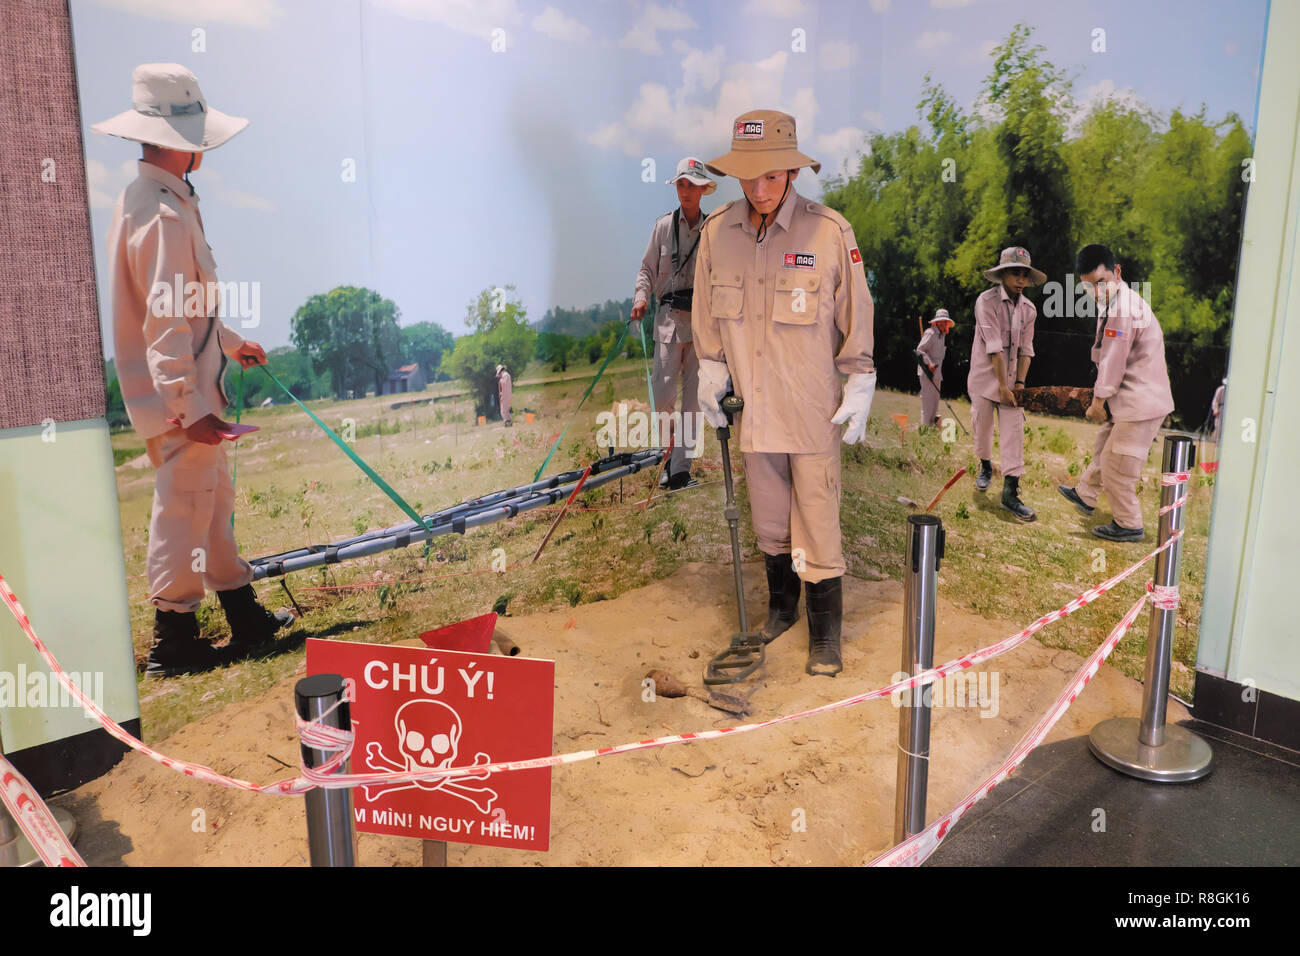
1131	396
931	351
505	394
668	270
781	311
999	361
171	356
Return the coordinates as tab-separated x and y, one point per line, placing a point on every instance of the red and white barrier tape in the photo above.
34	819
325	738
916	849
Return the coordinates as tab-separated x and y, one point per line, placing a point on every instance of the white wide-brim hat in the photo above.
692	170
168	110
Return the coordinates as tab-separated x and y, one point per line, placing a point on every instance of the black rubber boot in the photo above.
825	612
177	647
251	625
783	587
1011	499
985	476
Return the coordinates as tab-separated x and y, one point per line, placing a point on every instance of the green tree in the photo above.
555	348
502	337
426	343
353	334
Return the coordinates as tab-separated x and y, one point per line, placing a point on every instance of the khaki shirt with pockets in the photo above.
1129	351
999	327
168	362
789	316
934	346
657	275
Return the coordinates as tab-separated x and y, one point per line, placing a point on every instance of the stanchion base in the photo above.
1183	757
67	823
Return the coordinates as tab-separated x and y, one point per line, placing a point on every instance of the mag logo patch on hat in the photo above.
800	260
749	129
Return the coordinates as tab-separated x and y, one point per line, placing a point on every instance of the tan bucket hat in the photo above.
1015	257
692	170
168	110
761	141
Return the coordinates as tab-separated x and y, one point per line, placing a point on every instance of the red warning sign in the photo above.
416	708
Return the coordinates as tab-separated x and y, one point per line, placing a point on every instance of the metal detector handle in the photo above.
731	404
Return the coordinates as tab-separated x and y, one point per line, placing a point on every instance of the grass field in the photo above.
295	487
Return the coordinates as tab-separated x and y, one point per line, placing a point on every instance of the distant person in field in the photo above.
1130	399
668	271
929	358
171	357
1216	409
999	362
505	394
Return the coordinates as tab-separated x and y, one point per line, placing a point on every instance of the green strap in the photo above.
650	389
618	345
370	472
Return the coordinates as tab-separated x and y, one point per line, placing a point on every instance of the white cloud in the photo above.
987	48
874	119
700	70
475	17
213	188
836	55
774	8
840	151
950	4
554	24
258	14
1230	48
696	118
933	40
103	185
643	36
880	6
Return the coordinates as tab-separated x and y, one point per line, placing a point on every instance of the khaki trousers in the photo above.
795	503
674	361
1011	434
191	540
1117	459
929	401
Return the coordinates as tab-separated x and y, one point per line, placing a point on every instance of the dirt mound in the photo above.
817	791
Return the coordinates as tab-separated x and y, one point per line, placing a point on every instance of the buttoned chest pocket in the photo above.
795	300
206	267
726	295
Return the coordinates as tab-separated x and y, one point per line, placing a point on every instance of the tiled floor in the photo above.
1051	812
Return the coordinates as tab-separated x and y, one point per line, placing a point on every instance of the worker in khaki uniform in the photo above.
171	351
505	394
929	358
999	362
1131	396
782	310
668	270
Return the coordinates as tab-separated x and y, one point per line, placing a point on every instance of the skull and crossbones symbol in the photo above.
428	735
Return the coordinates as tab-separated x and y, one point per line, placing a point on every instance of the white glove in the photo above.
855	406
714	382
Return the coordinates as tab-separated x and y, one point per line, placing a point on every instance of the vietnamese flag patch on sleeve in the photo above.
855	255
1114	333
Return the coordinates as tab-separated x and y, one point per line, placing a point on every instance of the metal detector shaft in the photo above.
732	514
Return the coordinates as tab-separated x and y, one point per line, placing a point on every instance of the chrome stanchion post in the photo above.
1146	747
924	549
329	812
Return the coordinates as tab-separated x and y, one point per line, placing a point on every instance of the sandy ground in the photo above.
732	801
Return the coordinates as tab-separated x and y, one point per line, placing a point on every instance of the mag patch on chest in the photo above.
800	260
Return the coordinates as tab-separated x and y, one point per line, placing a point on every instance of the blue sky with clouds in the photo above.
523	164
